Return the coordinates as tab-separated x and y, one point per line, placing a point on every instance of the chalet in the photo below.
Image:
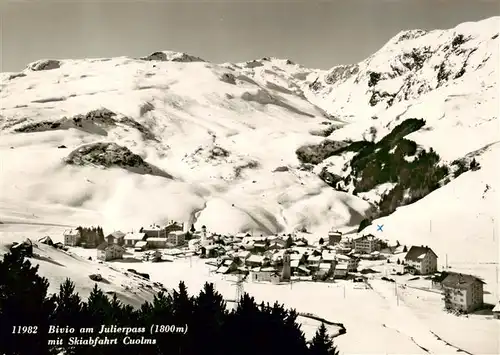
328	257
334	237
496	311
131	239
243	255
366	244
267	274
117	237
346	243
325	270
140	246
277	244
313	262
107	252
227	266
352	264
155	242
256	260
72	237
303	271
341	271
212	251
421	261
176	237
154	231
294	265
462	292
259	247
300	257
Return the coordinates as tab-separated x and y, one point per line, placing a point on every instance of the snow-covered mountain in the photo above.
266	145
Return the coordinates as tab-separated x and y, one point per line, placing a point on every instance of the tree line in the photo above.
248	329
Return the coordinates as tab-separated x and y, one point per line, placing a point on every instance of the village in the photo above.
285	258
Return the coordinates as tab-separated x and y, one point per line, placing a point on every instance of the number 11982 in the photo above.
24	329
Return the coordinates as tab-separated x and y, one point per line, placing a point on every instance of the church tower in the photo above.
286	272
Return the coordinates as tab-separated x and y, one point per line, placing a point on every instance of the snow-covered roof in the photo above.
418	253
256	258
71	233
140	244
294	263
223	269
134	236
244	254
342	266
329	256
496	308
156	239
325	265
303	268
117	234
314	258
342	257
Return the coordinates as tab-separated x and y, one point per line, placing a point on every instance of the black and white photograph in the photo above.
249	177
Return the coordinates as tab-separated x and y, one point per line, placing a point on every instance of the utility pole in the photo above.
344	291
397	295
446	261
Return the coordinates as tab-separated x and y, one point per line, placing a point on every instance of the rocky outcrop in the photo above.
170	56
109	155
45	64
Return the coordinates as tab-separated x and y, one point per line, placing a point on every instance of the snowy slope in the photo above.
57	265
218	134
447	77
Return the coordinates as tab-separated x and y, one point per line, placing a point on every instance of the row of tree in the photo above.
249	329
90	237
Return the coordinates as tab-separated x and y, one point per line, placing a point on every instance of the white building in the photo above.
132	238
176	238
107	252
462	292
351	263
421	260
71	237
366	244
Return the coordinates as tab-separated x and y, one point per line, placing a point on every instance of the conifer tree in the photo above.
322	343
208	320
23	302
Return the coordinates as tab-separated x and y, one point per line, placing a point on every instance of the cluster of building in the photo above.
152	237
461	292
277	258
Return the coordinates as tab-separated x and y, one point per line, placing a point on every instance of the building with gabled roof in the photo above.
462	292
107	252
132	238
71	237
117	237
256	260
421	260
366	244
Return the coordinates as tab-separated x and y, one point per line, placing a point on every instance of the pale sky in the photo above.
316	34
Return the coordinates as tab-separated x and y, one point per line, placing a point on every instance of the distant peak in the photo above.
171	56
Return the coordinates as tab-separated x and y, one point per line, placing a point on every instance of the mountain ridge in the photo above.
227	128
